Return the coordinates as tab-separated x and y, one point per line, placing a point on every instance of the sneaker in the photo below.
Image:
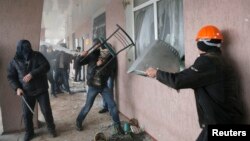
79	126
104	110
28	136
53	133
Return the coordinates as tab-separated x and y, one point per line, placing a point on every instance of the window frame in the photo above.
156	30
141	6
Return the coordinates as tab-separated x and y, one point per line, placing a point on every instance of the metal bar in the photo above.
113	58
126	34
112	34
106	64
91	51
123	38
110	49
124	49
28	105
117	37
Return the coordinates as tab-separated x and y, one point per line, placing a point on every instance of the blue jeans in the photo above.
110	84
91	95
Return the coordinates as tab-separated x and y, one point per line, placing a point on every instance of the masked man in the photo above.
27	75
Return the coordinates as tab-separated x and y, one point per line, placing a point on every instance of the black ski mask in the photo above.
209	48
24	50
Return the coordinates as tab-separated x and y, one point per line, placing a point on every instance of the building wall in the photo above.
165	113
233	18
85	31
162	111
17	23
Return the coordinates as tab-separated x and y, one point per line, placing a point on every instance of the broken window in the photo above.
159	20
144	28
170	23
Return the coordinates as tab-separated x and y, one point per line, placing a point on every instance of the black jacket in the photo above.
215	87
67	58
38	67
92	69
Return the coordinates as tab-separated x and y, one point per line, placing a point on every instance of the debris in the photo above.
100	137
135	129
134	122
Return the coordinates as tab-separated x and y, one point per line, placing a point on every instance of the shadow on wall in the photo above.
226	47
1	123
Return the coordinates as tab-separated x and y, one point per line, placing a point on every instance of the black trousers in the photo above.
52	82
78	74
44	103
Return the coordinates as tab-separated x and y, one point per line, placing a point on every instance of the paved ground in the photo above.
65	110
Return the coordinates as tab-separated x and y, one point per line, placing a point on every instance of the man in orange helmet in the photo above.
212	80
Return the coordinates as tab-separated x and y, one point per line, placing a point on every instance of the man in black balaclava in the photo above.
213	82
27	76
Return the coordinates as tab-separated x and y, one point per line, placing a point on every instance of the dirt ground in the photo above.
65	109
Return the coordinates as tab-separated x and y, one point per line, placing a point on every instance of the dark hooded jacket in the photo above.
95	79
27	61
215	88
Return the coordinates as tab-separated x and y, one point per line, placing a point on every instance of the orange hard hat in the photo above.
209	32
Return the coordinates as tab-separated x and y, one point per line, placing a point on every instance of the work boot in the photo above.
79	126
28	136
104	110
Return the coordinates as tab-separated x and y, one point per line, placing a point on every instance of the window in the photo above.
138	2
144	28
158	20
99	26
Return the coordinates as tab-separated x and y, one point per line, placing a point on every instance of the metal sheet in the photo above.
159	55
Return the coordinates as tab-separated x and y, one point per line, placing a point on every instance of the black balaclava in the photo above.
24	50
209	48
